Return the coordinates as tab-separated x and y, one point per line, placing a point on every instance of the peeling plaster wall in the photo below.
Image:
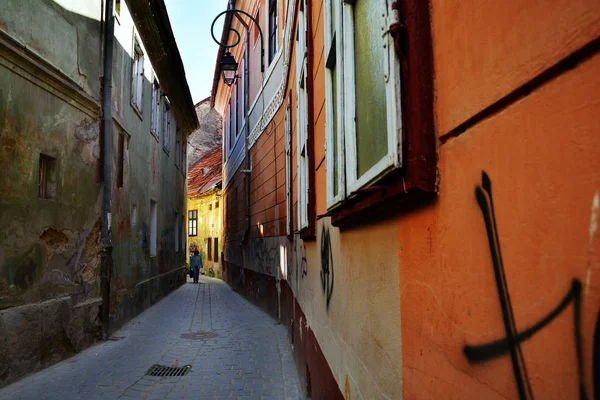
50	67
49	248
149	174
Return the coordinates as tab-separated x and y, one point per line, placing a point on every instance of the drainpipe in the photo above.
106	256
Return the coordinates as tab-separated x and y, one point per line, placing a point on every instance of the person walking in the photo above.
196	264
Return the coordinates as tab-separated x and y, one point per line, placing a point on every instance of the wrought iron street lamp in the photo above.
228	64
229	69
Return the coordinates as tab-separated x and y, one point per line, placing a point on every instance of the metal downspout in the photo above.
106	255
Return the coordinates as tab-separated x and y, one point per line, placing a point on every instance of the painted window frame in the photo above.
302	150
178	149
192	228
347	152
216	249
272	22
288	166
230	121
167	116
137	76
156	108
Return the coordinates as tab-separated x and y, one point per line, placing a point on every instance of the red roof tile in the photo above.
205	173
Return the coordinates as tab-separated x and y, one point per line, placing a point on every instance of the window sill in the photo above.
391	196
166	150
137	111
155	136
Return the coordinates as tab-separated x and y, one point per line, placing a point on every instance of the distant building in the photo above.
204	211
56	292
208	137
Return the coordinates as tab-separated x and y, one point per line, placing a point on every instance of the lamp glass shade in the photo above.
229	69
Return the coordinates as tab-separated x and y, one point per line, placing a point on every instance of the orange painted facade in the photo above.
395	293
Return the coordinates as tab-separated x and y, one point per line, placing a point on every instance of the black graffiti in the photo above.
512	343
326	265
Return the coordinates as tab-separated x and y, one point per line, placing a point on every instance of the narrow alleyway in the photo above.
235	352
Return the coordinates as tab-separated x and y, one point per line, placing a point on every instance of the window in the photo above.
118	7
209	249
288	166
362	89
155	109
47	178
272	29
182	233
216	204
193	223
121	161
153	228
178	152
184	156
216	250
302	119
210	207
176	232
137	85
230	119
167	125
238	113
133	215
225	139
256	31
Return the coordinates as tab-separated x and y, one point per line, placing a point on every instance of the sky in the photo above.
191	20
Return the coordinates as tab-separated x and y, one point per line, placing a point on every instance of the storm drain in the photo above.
201	335
166	371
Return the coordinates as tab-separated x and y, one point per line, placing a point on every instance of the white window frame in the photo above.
167	125
156	109
333	43
272	30
346	133
302	119
288	167
137	81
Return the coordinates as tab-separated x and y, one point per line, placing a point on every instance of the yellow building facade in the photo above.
204	216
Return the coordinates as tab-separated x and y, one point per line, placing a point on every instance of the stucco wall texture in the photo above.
50	74
490	290
541	155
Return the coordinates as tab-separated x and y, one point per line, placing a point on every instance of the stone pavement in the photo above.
235	352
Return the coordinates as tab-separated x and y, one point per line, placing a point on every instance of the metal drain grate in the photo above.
200	335
166	371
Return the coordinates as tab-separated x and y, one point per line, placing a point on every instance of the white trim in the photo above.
277	99
333	200
268	74
347	98
288	167
302	120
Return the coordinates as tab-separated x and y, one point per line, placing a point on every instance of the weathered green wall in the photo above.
150	173
50	63
48	248
50	72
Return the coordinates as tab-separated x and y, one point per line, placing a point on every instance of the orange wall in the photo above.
542	155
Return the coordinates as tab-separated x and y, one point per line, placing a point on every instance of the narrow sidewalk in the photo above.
232	348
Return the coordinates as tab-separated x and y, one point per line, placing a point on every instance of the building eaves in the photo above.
152	22
221	53
205	173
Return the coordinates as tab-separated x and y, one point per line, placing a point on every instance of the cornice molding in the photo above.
24	62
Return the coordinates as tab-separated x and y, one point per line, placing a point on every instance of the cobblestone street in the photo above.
235	352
